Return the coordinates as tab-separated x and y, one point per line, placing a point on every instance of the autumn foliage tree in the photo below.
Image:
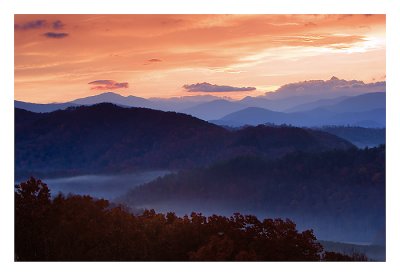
80	228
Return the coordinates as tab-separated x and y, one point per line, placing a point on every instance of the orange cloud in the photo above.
186	48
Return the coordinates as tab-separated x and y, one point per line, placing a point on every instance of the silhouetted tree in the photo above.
32	205
80	228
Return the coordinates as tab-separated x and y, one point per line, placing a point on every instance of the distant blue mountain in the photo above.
181	103
169	104
359	103
111	97
371	118
214	109
253	116
315	104
367	110
107	97
220	108
312	118
279	104
34	107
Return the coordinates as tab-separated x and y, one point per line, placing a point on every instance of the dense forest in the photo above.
80	228
341	191
108	138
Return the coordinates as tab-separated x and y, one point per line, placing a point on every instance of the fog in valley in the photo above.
101	186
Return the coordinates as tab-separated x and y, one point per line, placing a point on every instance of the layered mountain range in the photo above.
365	110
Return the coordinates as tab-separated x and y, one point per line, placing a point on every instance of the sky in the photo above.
63	57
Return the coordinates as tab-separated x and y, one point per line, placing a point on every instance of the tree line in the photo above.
81	228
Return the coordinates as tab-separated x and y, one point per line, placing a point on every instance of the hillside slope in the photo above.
106	137
340	194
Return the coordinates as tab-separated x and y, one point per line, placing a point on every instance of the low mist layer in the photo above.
340	194
101	186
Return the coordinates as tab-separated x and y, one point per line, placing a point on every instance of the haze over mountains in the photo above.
308	103
331	191
35	107
317	117
110	97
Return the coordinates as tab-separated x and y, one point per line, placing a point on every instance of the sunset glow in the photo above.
64	57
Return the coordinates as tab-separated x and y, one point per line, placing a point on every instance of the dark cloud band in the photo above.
39	24
55	35
35	24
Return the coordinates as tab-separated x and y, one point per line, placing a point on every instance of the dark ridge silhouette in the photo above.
80	228
109	138
26	118
340	193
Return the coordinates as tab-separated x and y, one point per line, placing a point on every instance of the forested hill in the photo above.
340	194
106	137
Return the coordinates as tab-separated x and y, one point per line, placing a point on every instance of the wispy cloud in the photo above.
35	24
39	24
107	85
152	61
57	25
208	87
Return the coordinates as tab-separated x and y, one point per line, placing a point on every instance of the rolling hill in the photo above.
106	137
340	194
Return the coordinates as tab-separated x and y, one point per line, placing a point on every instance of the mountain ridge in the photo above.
114	138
